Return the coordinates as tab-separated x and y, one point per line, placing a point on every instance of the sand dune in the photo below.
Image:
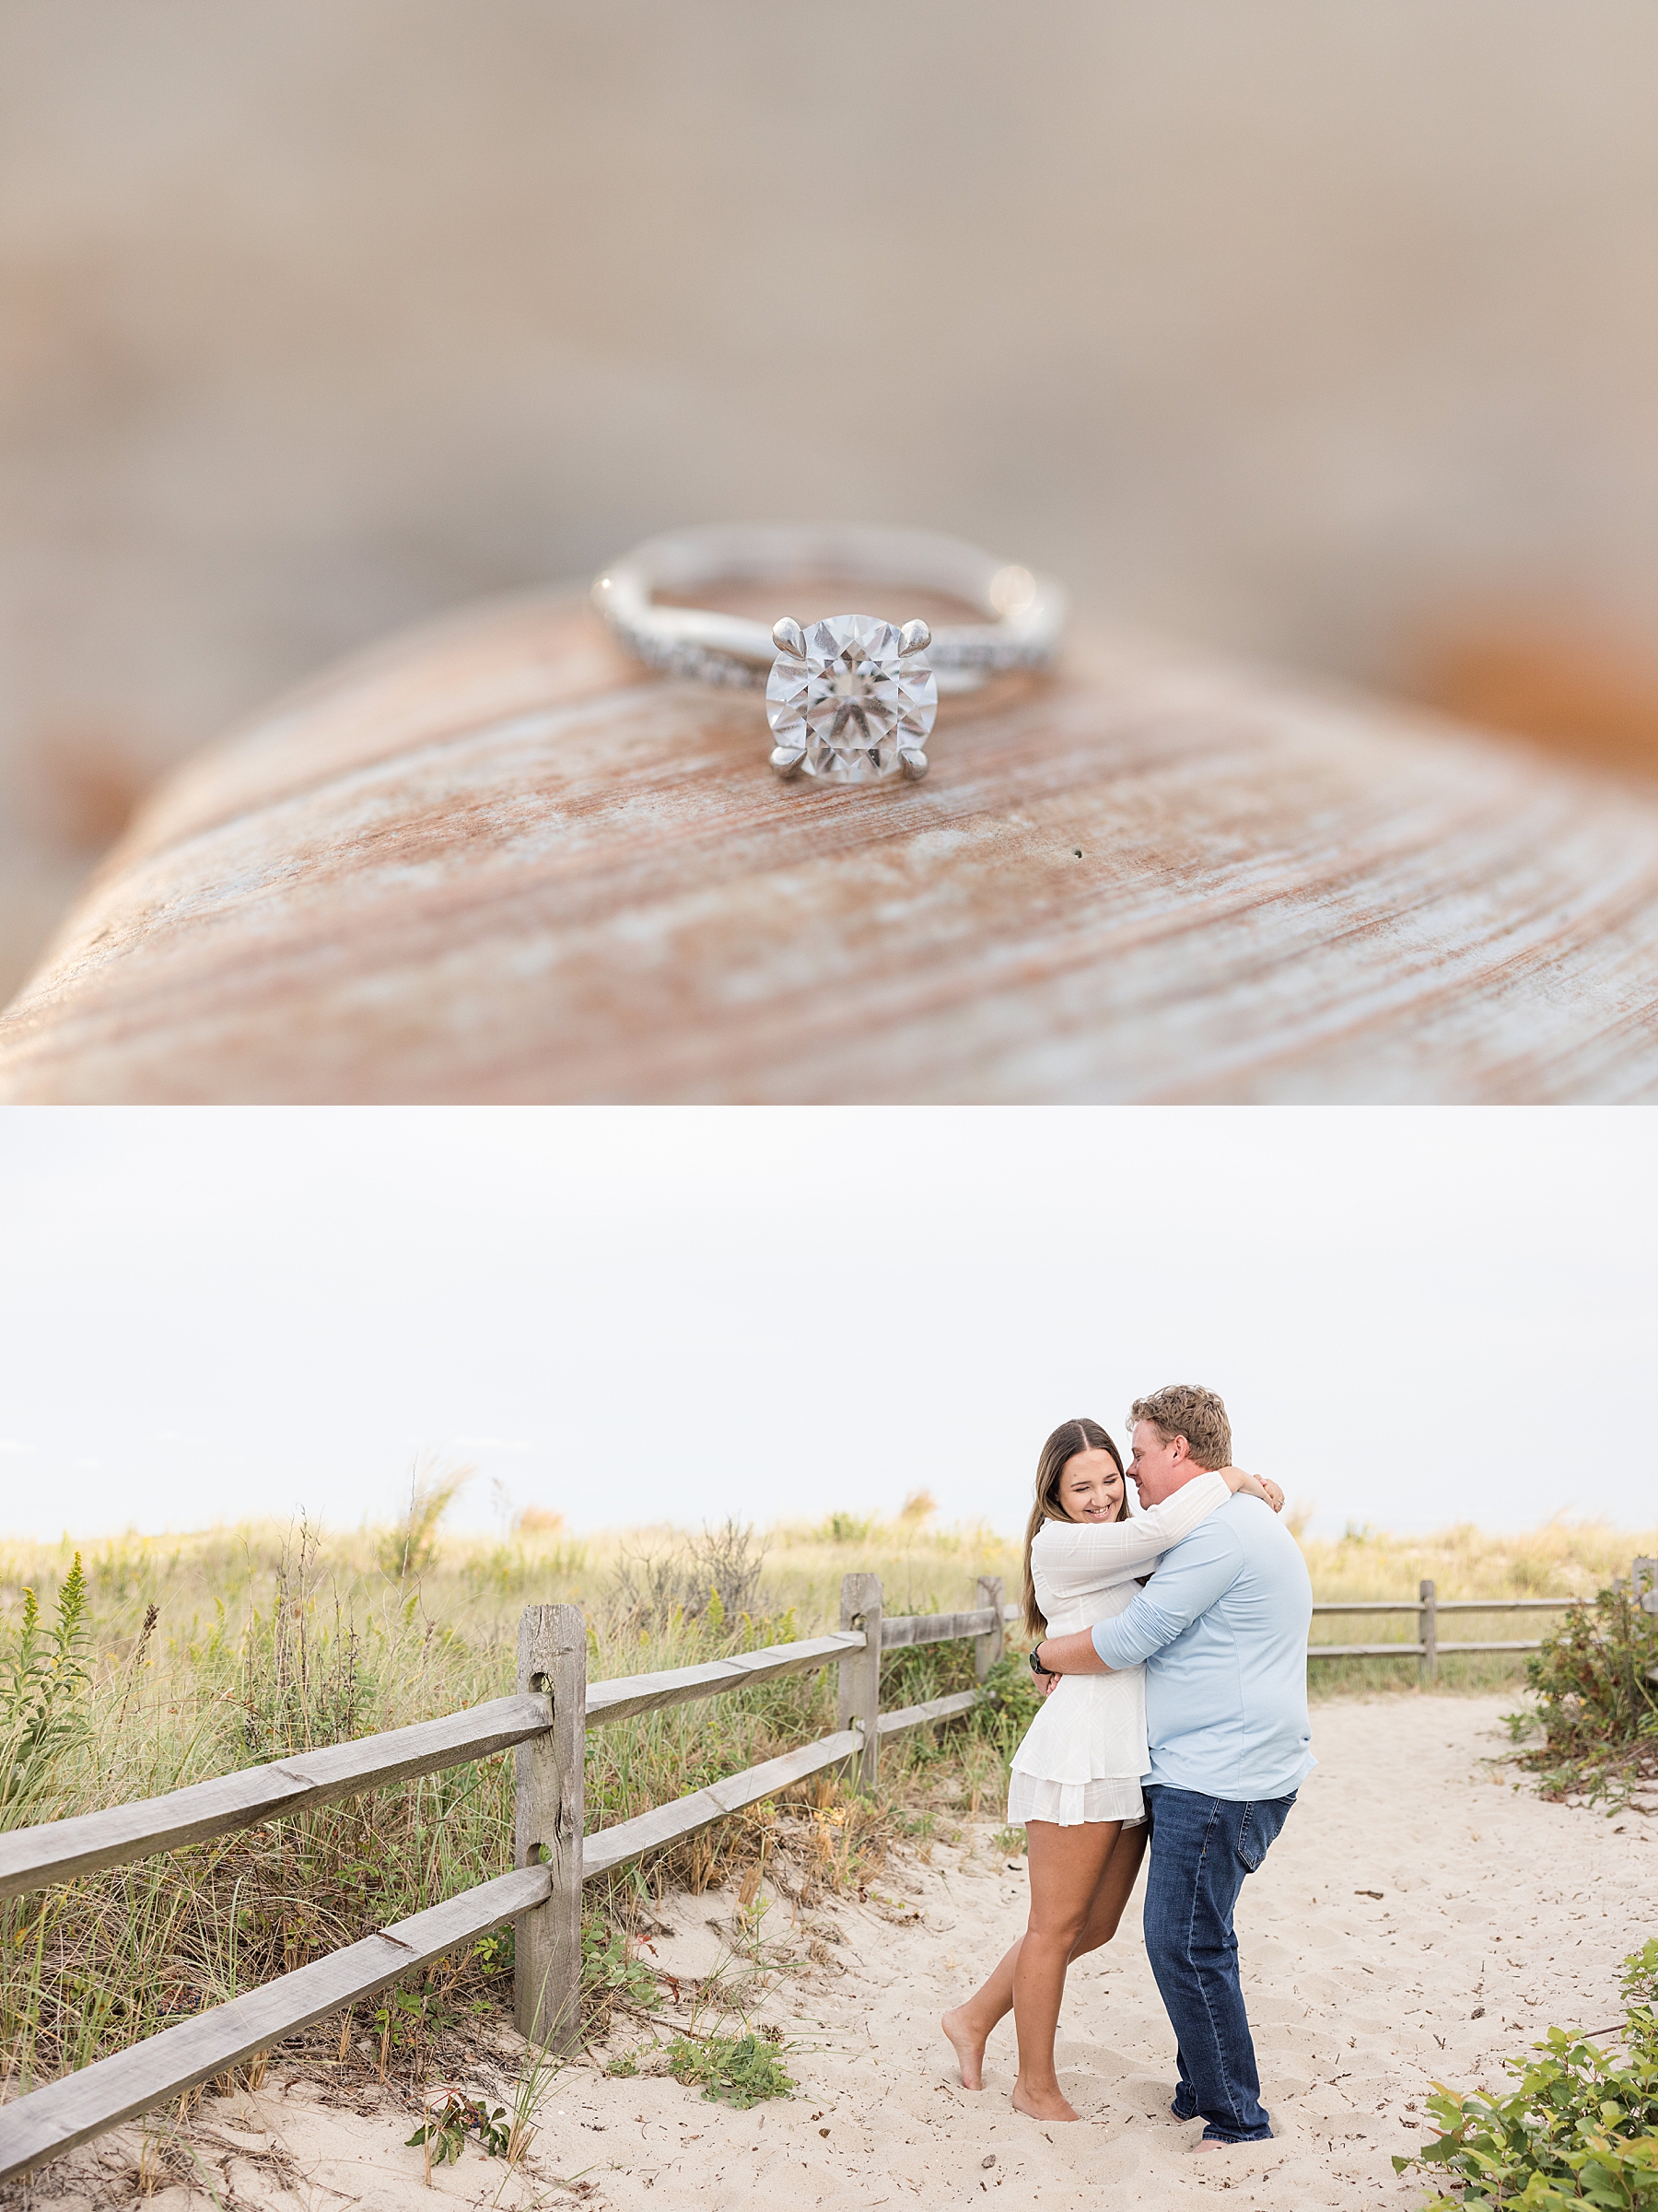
1496	1915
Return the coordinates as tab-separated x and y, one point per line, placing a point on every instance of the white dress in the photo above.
1085	1751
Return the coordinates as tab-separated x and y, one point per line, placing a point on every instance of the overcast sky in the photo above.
1414	1318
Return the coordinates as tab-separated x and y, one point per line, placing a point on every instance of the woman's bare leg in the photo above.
1067	1864
1116	1886
969	2026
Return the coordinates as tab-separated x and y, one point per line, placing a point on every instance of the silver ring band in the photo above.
1024	613
850	697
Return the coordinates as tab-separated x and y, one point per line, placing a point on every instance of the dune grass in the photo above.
192	1655
203	1654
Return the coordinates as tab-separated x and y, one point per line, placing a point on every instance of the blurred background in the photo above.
1324	331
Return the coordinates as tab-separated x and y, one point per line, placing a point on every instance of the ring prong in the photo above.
789	638
913	638
788	761
914	764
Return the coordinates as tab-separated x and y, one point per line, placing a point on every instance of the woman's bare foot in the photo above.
968	2045
1050	2105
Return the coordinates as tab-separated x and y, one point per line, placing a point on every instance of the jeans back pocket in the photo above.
1258	1828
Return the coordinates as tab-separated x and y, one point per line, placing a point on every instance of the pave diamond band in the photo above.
850	698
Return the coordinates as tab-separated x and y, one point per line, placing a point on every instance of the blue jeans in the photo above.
1201	1849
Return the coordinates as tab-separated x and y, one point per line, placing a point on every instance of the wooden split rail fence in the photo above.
546	1722
1428	1649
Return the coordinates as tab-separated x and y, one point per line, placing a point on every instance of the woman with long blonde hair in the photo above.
1076	1780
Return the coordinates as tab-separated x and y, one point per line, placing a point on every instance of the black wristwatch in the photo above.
1036	1666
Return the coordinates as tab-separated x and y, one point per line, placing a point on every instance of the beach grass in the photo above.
204	1653
207	1653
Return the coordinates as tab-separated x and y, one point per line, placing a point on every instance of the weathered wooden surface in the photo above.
858	1689
497	862
989	1646
549	1813
58	1850
917	1716
668	1823
1456	1604
1374	1605
1509	1605
900	1629
625	1694
1365	1651
1500	1644
100	2096
1427	1651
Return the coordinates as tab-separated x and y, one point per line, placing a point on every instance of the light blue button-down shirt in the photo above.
1223	1630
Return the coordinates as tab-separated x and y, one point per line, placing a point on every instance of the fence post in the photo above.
988	1649
860	1672
549	1818
1427	1633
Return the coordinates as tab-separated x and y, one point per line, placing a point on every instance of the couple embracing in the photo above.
1175	1719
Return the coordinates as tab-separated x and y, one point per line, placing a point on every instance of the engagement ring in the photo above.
851	697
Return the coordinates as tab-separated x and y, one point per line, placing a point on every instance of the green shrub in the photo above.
1595	1680
1581	2128
740	2070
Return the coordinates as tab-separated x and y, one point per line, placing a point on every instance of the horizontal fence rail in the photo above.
625	1695
60	1850
940	1628
917	1716
1455	1604
625	1839
78	2106
1412	1650
545	1724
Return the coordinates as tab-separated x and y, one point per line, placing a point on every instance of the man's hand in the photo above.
1070	1655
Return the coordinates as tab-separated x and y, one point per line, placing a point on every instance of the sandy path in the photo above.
1488	1900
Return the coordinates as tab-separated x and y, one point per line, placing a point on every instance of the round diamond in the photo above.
850	704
